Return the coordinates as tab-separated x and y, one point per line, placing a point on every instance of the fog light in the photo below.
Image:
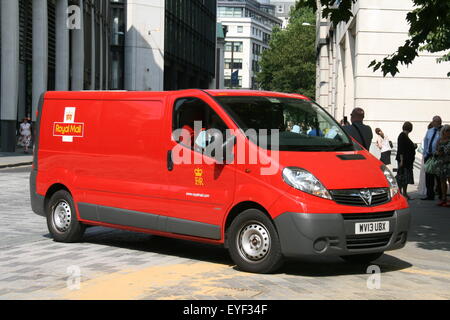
402	237
321	244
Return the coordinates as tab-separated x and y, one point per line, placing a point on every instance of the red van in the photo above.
289	183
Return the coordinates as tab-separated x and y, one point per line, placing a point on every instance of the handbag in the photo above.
431	165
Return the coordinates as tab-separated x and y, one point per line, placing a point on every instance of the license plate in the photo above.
371	227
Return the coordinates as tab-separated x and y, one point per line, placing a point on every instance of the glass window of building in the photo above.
237	46
118	26
228	82
256	49
237	64
230	12
117	47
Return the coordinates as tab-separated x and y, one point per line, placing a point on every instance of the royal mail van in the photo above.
268	175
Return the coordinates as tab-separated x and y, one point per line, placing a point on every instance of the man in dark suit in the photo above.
358	130
429	148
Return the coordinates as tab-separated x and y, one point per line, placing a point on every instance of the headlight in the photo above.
305	181
393	186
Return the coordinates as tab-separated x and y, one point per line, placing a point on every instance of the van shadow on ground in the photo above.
308	267
430	224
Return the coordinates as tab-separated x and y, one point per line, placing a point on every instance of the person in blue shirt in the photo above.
315	133
429	148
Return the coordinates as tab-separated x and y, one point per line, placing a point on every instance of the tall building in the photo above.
282	10
249	26
168	44
219	81
49	45
100	45
345	81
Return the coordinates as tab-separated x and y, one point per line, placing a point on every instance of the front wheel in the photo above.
253	242
362	258
62	219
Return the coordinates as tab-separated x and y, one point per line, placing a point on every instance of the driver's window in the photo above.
195	118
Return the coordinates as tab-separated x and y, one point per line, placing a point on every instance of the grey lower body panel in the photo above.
143	220
37	201
303	234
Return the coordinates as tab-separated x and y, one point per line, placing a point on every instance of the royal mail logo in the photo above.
62	129
69	128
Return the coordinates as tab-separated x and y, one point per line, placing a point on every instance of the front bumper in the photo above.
303	234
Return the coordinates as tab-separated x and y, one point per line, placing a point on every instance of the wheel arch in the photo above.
52	190
238	209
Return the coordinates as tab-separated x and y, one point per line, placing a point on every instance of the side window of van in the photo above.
195	117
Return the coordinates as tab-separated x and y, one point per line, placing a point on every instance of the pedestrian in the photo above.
344	122
422	188
358	130
406	152
25	134
443	162
429	148
384	144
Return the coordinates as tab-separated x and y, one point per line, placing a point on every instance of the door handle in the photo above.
169	160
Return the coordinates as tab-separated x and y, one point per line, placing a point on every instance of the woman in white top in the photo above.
384	145
25	134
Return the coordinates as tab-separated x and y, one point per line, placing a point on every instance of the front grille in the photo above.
354	197
368	215
367	242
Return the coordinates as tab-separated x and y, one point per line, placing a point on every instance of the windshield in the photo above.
302	125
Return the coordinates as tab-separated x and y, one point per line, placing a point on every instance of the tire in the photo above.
362	258
62	220
253	243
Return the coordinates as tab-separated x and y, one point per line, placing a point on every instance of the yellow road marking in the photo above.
179	281
441	274
197	278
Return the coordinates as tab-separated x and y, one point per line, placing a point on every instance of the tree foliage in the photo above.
289	63
429	29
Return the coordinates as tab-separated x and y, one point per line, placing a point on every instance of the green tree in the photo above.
289	65
429	29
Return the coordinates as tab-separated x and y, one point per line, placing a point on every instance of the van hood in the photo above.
338	170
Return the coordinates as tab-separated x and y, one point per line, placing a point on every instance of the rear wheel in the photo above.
62	220
362	258
253	242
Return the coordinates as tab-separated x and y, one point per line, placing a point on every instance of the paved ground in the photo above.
13	159
113	264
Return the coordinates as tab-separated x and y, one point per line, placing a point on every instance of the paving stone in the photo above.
33	266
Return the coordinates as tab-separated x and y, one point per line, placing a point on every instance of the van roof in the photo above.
230	92
144	95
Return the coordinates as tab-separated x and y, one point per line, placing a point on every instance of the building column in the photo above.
144	45
40	52
101	47
9	73
93	47
107	66
107	52
62	47
78	53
